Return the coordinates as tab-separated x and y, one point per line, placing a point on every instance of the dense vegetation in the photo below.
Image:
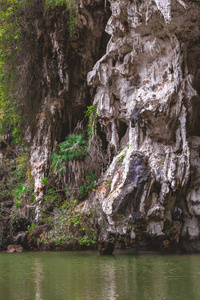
20	93
19	55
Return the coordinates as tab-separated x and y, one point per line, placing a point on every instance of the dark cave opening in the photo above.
121	129
193	121
102	136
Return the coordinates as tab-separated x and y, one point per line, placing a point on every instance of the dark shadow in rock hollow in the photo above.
137	176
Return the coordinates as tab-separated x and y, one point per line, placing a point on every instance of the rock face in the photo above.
147	97
143	76
65	63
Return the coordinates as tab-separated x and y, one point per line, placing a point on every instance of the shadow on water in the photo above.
88	276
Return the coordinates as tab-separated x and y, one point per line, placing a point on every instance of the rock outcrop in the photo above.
148	103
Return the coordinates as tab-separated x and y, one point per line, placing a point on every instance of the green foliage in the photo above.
87	240
10	117
54	3
15	63
31	228
17	182
86	188
10	44
22	171
70	7
91	113
69	225
52	197
74	147
72	20
121	158
90	183
108	182
16	216
95	152
20	194
44	181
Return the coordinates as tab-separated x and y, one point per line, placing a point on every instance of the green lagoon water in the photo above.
88	276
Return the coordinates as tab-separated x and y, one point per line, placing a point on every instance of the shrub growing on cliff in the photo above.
15	178
74	147
69	225
96	157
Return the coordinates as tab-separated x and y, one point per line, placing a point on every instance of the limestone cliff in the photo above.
143	76
147	96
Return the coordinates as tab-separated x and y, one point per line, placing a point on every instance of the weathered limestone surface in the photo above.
148	103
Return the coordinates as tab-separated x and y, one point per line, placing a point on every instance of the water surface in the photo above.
87	276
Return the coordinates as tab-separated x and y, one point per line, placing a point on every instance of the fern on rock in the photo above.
74	147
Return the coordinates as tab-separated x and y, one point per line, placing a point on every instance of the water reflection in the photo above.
38	278
87	276
108	273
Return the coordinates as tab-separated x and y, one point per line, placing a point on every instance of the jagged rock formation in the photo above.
147	97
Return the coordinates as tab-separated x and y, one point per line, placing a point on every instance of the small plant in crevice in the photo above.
74	147
96	157
108	182
121	158
91	113
90	183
